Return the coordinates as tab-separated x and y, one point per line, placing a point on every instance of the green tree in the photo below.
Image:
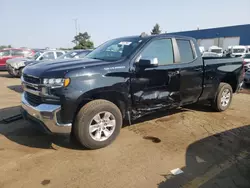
82	41
156	30
65	48
4	46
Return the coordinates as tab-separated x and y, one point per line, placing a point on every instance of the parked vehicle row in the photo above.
231	51
15	66
125	78
10	53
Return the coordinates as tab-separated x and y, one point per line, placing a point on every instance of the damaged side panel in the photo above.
156	88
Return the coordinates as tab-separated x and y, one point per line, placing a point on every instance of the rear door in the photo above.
157	87
191	71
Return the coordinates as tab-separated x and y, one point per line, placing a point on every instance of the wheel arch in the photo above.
232	81
118	98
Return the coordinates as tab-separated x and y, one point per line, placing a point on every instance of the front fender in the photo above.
86	87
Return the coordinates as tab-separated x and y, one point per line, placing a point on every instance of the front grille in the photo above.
34	100
31	79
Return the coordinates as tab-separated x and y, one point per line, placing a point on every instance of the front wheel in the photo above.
223	97
17	72
97	124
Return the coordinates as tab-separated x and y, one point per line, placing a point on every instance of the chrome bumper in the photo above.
45	114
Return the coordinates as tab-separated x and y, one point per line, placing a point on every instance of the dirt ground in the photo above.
212	149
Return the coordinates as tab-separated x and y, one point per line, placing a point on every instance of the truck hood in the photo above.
58	68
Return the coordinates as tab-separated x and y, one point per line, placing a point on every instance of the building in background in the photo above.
222	36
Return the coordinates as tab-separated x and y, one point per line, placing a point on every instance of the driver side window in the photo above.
161	49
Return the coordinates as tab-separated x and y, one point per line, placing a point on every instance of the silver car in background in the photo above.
77	54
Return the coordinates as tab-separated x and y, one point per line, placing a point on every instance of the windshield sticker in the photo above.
125	43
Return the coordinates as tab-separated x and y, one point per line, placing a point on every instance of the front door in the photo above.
154	88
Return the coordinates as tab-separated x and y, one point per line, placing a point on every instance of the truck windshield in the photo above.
116	49
218	51
238	50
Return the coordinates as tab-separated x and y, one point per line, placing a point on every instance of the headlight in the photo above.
56	82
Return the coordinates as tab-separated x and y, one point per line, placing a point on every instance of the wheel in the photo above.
19	73
247	84
223	97
97	124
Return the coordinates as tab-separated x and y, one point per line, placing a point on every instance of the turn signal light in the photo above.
66	82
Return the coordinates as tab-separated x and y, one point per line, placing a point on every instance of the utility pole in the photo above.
76	26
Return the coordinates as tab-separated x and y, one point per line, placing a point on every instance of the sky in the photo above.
50	23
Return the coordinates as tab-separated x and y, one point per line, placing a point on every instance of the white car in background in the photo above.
202	49
239	51
246	60
210	54
248	48
217	50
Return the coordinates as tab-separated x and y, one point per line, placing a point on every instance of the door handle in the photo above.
198	69
173	73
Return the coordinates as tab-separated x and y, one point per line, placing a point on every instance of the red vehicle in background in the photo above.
9	53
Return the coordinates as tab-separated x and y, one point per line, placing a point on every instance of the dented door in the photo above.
157	87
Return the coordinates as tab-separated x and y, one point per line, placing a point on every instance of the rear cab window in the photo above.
186	50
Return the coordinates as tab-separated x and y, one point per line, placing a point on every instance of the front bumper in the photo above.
45	115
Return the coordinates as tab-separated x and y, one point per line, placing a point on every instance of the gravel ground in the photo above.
210	148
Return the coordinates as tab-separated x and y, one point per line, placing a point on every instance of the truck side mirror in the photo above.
148	63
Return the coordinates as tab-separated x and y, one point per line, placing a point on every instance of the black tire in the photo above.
217	101
247	84
83	120
19	73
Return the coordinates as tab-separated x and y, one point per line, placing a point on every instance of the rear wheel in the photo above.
223	97
97	124
247	84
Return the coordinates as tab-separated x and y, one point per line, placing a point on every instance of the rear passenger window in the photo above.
160	49
186	50
58	54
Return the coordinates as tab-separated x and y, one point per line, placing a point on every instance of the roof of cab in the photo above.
158	36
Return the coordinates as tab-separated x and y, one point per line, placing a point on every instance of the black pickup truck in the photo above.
124	79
